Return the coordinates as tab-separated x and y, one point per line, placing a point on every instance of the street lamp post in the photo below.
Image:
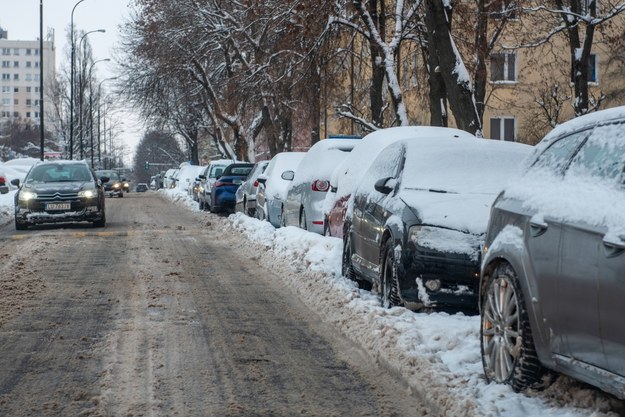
41	127
99	122
71	85
91	104
80	86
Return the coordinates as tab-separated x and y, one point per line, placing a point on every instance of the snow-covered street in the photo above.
436	354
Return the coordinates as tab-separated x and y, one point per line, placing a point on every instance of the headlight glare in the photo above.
27	195
87	193
413	233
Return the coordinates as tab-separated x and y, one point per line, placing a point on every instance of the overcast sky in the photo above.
21	19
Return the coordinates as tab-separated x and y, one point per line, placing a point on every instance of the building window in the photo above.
29	77
502	128
28	89
503	67
16	51
16	89
6	101
6	64
36	64
16	101
28	51
16	114
593	69
36	89
37	51
29	64
16	77
36	115
6	51
16	64
6	89
29	102
6	76
28	115
36	77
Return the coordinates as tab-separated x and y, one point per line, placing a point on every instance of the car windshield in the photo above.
216	171
239	171
112	175
59	173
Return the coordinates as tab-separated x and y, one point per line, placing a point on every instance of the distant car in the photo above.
306	194
113	185
246	193
186	177
419	215
141	187
273	185
168	181
346	177
552	283
222	197
59	191
4	183
207	177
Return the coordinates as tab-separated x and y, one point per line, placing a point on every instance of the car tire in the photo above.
507	346
388	286
20	226
101	222
346	264
121	195
302	219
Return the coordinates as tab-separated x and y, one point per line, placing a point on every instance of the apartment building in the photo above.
20	62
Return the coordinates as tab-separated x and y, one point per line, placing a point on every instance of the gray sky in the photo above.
21	19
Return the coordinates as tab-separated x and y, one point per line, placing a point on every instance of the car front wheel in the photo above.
20	226
507	345
389	289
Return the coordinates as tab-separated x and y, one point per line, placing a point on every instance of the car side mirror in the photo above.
202	177
288	175
16	182
381	187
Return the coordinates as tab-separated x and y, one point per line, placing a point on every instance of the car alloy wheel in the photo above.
389	290
507	346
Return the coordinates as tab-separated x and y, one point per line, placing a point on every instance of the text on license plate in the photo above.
58	206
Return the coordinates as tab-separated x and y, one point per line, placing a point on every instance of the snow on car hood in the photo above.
464	212
52	187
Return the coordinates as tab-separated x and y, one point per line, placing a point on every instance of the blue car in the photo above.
223	193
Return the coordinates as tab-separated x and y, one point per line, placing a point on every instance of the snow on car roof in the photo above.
322	159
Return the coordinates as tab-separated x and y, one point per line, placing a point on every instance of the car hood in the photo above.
52	187
464	212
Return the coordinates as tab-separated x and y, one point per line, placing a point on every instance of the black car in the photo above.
418	217
58	192
113	186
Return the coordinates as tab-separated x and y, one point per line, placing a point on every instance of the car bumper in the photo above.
86	214
441	280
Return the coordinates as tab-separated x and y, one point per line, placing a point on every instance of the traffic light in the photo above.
147	165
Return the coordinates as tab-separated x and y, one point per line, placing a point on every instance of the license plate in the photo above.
58	206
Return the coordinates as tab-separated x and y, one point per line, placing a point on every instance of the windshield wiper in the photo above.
432	190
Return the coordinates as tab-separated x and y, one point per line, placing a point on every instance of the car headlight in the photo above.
126	184
116	185
26	196
87	193
413	233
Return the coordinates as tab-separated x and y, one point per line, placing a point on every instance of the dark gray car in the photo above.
552	281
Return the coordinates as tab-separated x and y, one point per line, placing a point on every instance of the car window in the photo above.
556	157
216	171
603	154
59	173
387	164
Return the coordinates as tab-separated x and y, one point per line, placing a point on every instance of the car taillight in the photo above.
255	183
320	185
3	180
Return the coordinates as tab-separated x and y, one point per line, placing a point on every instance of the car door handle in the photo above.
537	228
614	247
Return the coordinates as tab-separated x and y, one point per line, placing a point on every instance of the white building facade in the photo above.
20	77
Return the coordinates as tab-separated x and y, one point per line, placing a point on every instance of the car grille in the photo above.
66	197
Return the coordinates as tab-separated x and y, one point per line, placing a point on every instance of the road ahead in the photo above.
159	315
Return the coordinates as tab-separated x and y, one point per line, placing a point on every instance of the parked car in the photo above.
113	184
273	185
187	175
419	215
346	176
168	181
141	187
59	191
222	196
246	193
4	182
552	286
208	177
303	207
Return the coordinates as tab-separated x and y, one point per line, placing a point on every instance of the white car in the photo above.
311	182
273	185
